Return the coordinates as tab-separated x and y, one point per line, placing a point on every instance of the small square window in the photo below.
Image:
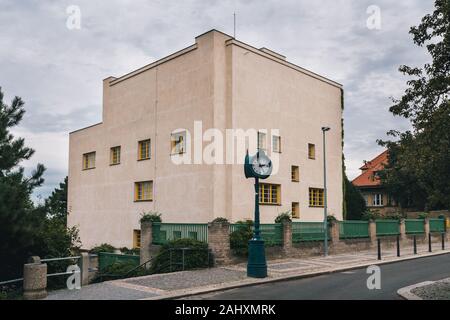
295	174
114	155
178	142
144	149
276	144
261	140
311	151
89	160
143	191
295	210
316	197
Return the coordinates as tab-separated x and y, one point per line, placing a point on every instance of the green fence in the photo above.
165	232
437	225
387	227
106	259
353	229
308	231
414	226
271	233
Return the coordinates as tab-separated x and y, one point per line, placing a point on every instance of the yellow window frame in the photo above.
316	197
137	239
295	208
144	149
143	191
89	160
269	193
295	174
311	151
114	155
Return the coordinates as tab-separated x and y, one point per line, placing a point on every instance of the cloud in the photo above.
58	71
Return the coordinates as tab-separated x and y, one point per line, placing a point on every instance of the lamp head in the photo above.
325	129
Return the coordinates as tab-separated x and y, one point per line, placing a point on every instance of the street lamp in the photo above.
325	222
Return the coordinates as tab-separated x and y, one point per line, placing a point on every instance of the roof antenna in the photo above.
234	24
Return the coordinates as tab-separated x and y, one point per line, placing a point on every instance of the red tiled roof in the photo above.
366	178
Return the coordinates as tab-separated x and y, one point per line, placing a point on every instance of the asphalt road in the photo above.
345	285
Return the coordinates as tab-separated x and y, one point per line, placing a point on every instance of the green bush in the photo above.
239	238
284	216
120	270
371	215
394	216
104	247
170	259
150	216
220	220
423	215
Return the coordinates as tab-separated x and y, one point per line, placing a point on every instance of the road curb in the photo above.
247	283
406	293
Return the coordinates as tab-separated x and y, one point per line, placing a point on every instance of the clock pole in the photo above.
256	266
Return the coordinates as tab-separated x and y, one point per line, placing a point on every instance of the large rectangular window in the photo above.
295	210
295	174
261	140
311	151
143	191
89	160
114	155
178	142
377	200
144	150
315	197
276	143
136	239
269	193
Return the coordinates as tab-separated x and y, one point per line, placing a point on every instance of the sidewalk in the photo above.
188	283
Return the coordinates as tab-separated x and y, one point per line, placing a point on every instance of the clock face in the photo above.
261	164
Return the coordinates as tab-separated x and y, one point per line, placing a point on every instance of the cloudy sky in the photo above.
58	71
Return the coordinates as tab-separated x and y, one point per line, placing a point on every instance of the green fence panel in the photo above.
414	226
272	234
165	232
308	231
387	227
437	225
353	229
106	259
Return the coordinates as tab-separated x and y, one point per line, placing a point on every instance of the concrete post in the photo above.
35	280
287	237
334	232
426	222
84	268
402	230
373	232
146	241
219	241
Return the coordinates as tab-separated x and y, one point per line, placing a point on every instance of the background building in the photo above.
369	183
124	165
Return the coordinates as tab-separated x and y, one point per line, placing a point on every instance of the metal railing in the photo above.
437	225
308	231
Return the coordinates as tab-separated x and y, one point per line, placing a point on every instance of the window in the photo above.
114	156
276	143
178	142
143	191
89	160
144	150
377	200
295	210
295	175
261	140
269	193
366	199
315	197
311	151
136	239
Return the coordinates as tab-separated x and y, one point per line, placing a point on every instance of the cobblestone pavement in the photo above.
195	281
439	290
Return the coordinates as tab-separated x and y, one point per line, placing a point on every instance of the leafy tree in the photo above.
354	201
19	219
418	170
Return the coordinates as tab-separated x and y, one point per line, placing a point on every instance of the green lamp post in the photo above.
258	166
